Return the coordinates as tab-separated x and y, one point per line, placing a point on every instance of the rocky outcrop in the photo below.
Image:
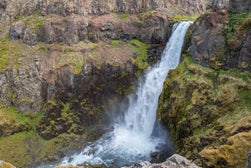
95	7
200	107
222	41
208	39
9	126
175	161
12	9
6	165
151	27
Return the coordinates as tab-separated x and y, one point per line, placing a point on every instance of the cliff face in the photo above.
64	63
222	40
12	9
205	101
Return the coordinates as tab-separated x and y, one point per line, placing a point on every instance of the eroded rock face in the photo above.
96	7
150	29
208	39
217	43
11	9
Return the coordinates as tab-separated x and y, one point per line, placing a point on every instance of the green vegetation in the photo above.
237	26
13	114
141	54
25	148
183	17
198	101
122	16
143	16
236	20
35	21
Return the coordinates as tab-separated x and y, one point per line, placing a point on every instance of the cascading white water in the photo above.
130	141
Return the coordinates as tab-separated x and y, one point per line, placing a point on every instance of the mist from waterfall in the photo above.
132	138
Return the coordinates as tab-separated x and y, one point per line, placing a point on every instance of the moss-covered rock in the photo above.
208	114
6	164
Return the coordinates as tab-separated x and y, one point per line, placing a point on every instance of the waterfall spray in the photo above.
132	140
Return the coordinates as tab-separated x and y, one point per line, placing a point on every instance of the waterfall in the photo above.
132	140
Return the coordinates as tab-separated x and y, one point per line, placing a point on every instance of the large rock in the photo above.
208	39
221	40
6	165
175	161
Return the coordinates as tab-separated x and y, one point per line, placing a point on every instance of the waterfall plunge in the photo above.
131	139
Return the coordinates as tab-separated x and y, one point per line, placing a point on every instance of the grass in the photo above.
183	17
13	114
236	22
141	53
122	16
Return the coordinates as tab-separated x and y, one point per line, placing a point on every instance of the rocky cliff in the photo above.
205	102
64	63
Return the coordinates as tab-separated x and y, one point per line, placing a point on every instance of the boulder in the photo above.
175	161
17	30
6	165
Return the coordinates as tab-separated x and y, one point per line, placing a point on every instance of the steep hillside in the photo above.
206	101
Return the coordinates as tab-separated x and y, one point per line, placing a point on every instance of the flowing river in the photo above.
132	138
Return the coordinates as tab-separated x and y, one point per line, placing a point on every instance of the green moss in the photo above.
35	21
146	14
237	24
25	148
122	16
198	101
141	53
12	113
115	43
183	17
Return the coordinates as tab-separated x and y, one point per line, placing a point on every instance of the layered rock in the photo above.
11	9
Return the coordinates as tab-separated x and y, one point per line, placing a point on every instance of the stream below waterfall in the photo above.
133	137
